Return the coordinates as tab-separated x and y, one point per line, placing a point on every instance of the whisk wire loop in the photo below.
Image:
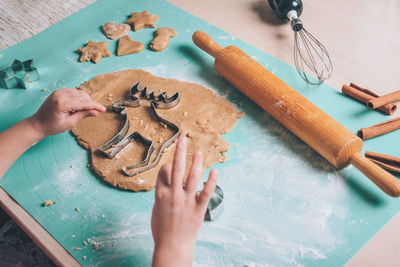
311	55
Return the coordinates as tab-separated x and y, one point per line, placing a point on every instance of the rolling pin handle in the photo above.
206	43
384	180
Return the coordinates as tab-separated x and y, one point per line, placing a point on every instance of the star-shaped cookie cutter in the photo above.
19	74
120	140
215	206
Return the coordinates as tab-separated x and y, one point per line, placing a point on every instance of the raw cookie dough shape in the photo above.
202	116
93	51
120	140
161	38
128	46
113	30
140	20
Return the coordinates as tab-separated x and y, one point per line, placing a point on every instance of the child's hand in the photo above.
62	110
178	211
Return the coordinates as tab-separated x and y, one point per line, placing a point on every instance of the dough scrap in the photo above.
128	46
93	51
113	30
140	20
201	114
47	203
161	38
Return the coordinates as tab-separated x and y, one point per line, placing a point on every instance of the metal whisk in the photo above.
309	53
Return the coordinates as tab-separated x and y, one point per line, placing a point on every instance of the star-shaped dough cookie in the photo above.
140	20
93	51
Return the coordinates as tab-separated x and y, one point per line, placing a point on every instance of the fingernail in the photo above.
182	139
215	173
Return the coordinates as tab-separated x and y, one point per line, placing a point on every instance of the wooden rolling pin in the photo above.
325	135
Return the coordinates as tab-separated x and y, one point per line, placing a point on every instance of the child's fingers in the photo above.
84	104
72	99
74	92
205	195
179	164
163	178
194	176
80	94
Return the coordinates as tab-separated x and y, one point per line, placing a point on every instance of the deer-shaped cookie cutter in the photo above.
120	140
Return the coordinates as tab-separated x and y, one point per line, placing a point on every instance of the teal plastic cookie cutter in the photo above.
19	74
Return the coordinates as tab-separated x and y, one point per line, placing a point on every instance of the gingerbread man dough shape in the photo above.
113	30
140	20
128	46
161	38
93	51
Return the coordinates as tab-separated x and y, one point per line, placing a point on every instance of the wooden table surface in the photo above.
362	37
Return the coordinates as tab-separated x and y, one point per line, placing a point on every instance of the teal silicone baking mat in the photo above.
284	204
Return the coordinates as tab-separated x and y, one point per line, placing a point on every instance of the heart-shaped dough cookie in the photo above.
128	46
113	30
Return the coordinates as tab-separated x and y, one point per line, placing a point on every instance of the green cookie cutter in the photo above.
215	205
19	74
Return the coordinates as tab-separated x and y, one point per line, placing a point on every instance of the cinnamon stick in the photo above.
383	100
390	163
379	129
363	89
386	166
364	95
383	158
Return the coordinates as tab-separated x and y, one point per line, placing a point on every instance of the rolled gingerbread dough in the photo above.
201	114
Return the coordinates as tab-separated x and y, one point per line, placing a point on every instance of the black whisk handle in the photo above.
282	7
